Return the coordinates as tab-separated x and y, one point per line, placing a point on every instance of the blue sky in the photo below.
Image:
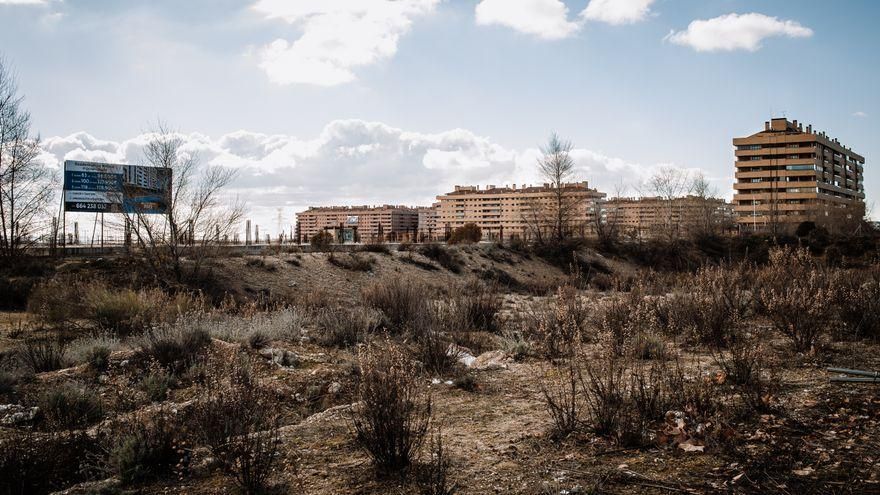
369	101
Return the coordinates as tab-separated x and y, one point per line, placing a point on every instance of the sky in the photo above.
320	102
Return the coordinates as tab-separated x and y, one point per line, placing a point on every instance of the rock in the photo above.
334	388
13	414
463	354
281	357
492	360
103	379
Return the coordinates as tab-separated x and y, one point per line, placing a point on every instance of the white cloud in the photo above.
547	19
736	32
860	114
337	37
354	162
617	12
23	2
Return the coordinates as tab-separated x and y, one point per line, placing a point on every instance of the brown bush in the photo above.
857	302
447	258
401	301
33	462
344	327
393	415
475	306
796	296
561	389
352	261
719	301
57	300
237	419
176	346
433	477
562	324
43	355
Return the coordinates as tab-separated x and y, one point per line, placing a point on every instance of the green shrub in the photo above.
70	406
156	385
144	450
177	346
43	355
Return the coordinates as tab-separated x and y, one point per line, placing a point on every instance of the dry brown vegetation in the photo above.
317	377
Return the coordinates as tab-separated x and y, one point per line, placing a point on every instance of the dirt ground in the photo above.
821	438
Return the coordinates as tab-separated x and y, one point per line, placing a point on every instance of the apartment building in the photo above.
428	230
652	217
787	174
510	211
359	223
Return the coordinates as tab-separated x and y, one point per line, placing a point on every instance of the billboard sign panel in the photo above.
115	188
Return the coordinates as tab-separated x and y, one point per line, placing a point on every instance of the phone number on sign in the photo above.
90	206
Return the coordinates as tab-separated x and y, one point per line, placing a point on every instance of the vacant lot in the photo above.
441	370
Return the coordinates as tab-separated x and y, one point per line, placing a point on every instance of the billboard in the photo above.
115	188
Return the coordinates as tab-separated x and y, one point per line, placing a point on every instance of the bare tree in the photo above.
705	218
554	218
195	221
25	184
669	184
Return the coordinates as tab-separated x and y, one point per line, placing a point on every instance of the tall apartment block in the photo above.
504	212
787	174
359	223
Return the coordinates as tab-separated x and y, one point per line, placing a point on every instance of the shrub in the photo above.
94	350
562	397
145	449
401	301
70	406
43	355
744	365
57	300
393	415
156	385
237	420
562	325
433	478
375	248
424	265
650	346
475	306
720	300
176	346
468	233
432	349
321	241
516	345
352	261
604	389
446	258
258	329
796	297
120	311
857	302
345	327
32	462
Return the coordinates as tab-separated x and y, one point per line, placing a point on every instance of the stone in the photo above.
492	360
281	357
13	414
334	388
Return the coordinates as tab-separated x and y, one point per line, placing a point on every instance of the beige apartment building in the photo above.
510	211
653	217
787	174
359	223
